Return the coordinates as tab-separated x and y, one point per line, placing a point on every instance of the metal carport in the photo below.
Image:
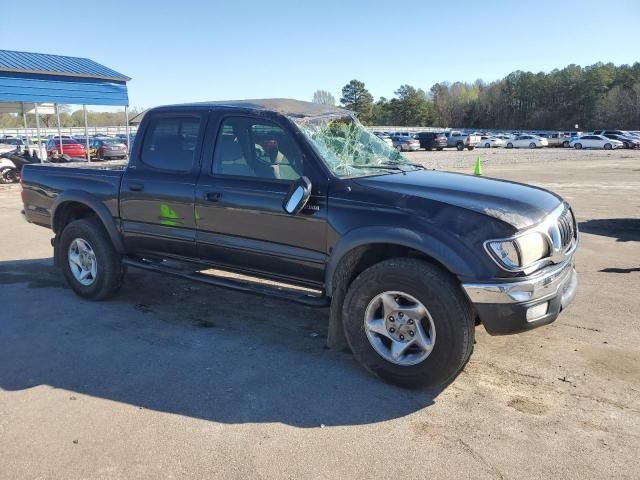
27	79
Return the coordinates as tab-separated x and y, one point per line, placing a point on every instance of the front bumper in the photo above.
514	307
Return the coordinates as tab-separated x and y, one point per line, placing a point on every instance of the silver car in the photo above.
107	148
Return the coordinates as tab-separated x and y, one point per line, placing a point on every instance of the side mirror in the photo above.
297	196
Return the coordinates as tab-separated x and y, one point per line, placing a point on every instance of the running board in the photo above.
239	286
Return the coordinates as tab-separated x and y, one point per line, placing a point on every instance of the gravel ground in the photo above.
173	379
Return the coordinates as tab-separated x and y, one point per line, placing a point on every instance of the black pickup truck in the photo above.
308	206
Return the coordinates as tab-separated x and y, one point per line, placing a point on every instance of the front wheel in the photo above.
8	175
565	144
607	146
532	145
509	145
470	147
92	267
408	322
578	146
487	145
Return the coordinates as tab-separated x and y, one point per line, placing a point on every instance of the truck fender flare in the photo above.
100	209
419	241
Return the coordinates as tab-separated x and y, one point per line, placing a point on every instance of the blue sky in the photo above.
196	50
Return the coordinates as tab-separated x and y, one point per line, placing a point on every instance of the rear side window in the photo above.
170	143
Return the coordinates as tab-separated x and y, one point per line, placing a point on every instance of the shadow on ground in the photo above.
624	229
189	349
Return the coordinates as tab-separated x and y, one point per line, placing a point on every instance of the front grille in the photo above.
566	227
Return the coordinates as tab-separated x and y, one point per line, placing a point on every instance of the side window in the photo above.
256	148
170	143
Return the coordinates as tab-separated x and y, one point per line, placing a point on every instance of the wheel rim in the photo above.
532	145
399	328
607	146
82	262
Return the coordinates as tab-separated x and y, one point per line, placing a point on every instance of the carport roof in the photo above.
27	77
45	64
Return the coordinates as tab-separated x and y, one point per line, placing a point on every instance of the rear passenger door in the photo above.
158	188
241	222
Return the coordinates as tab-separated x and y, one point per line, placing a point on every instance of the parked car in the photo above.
70	147
385	138
527	141
431	140
398	252
595	141
404	143
106	148
557	139
461	140
490	142
15	142
628	141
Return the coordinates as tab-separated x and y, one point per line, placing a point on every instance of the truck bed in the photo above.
42	184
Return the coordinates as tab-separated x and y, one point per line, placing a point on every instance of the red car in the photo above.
70	147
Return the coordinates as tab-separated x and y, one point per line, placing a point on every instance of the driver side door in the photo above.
241	224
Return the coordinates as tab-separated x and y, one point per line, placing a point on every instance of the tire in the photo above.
532	145
565	144
577	146
10	176
460	147
509	145
440	149
3	175
487	145
471	147
449	312
608	146
109	268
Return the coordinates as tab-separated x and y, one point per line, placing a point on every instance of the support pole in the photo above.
59	131
38	133
86	132
26	132
126	128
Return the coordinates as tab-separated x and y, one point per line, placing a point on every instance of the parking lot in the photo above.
172	379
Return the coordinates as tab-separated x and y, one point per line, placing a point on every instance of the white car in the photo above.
595	141
490	142
527	141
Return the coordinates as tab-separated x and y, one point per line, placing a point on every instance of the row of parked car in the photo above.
101	146
410	142
600	139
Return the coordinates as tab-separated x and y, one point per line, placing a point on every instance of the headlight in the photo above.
520	252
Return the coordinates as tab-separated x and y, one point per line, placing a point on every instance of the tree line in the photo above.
599	95
68	118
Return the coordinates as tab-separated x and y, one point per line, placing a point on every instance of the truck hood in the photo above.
519	205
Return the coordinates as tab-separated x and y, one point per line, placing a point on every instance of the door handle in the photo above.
212	196
136	187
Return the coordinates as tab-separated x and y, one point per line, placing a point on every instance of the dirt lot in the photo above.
173	379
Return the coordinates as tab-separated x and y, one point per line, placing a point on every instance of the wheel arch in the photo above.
363	247
73	205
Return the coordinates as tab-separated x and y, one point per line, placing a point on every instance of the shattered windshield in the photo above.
349	149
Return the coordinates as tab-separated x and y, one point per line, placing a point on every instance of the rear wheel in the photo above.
509	145
460	147
607	146
440	149
487	145
93	269
578	146
393	313
565	144
470	147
